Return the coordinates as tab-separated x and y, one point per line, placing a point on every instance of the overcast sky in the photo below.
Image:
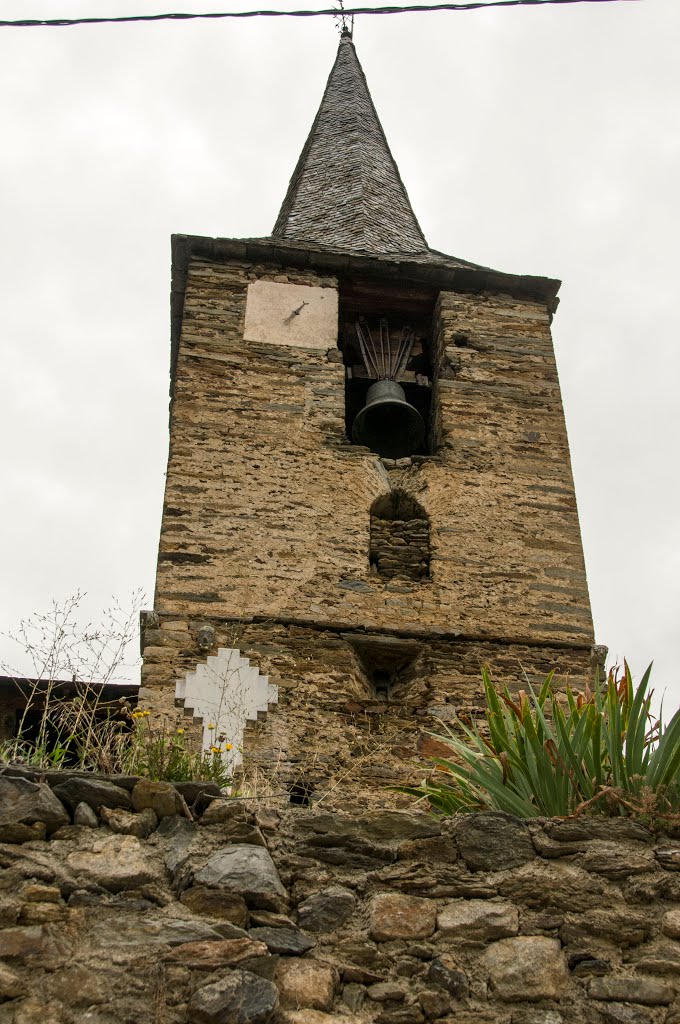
537	141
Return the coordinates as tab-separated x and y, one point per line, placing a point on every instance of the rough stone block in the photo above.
479	920
306	984
247	870
115	862
240	998
647	991
395	916
527	968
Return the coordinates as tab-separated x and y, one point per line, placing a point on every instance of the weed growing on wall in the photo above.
156	753
544	753
65	721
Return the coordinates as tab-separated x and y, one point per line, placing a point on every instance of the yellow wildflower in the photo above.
145	714
180	732
211	725
228	746
215	750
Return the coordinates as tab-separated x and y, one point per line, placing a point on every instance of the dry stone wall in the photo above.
128	902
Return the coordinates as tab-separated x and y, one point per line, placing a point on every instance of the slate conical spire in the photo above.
346	192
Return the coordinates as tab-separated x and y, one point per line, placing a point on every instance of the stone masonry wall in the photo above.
266	533
267	506
153	909
329	730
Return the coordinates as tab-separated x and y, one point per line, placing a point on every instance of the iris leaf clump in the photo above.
551	753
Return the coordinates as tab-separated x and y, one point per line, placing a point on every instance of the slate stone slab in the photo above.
25	803
287	941
126	930
492	841
96	793
327	910
240	998
248	870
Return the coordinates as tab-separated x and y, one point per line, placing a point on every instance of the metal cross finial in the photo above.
344	22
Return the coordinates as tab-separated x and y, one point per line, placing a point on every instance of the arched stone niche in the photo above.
400	537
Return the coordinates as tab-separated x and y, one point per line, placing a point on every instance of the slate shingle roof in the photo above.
346	192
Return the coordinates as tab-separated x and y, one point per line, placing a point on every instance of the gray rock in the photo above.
659	957
247	870
526	969
535	1016
619	860
126	930
198	794
353	996
669	858
94	792
239	998
647	991
360	841
479	920
620	925
128	824
223	809
231	931
268	919
444	974
327	910
386	991
492	841
364	953
179	834
553	884
584	829
401	1015
621	1013
85	816
28	803
286	941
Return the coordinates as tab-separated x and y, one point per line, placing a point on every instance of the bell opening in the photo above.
388	424
398	321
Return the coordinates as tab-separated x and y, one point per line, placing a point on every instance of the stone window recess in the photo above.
400	537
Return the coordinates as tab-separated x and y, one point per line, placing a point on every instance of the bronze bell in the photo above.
388	424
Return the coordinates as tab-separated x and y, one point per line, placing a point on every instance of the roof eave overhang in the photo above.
464	278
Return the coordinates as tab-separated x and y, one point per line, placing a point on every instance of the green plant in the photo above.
547	754
58	729
158	754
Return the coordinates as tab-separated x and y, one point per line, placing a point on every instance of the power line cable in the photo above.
332	12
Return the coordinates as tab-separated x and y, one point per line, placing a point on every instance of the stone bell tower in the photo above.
334	567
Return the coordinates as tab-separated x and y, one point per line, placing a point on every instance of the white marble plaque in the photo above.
292	314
